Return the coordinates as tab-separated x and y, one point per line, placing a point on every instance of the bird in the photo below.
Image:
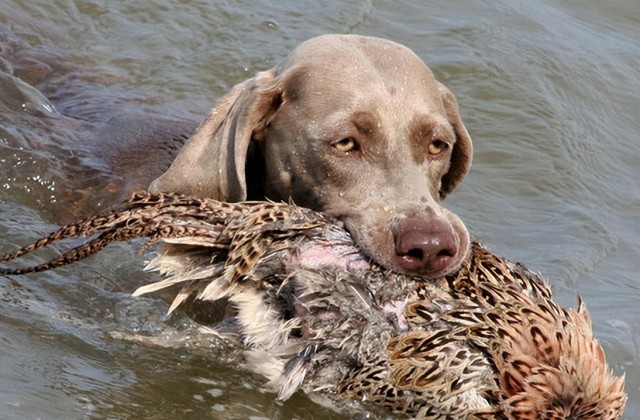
314	314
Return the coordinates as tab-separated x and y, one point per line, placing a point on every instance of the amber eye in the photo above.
346	145
437	146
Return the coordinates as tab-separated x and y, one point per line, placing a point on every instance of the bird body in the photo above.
314	314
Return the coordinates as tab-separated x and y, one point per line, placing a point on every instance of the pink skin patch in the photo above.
318	255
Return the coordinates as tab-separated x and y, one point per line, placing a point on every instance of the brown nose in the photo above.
424	246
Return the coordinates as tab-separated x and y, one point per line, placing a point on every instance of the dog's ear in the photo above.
462	150
212	162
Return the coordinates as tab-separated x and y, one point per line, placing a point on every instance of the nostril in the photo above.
446	253
416	253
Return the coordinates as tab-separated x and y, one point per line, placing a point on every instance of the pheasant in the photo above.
314	314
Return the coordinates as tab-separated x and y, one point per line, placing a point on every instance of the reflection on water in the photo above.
548	90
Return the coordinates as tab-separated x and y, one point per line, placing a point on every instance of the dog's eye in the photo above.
436	147
346	145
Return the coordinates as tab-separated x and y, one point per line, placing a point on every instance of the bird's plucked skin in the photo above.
314	314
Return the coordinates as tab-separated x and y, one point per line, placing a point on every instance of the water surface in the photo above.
549	92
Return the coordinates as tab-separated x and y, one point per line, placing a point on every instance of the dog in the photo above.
356	127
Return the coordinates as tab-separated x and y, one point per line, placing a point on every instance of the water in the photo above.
548	90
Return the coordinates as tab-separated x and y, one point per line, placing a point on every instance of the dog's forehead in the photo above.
354	58
354	72
345	45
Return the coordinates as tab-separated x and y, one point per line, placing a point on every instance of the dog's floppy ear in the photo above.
212	162
462	149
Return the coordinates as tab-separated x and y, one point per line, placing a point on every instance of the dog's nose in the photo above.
424	247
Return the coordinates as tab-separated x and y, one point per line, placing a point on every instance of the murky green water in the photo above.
549	91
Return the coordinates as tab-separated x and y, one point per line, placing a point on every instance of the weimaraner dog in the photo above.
356	127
